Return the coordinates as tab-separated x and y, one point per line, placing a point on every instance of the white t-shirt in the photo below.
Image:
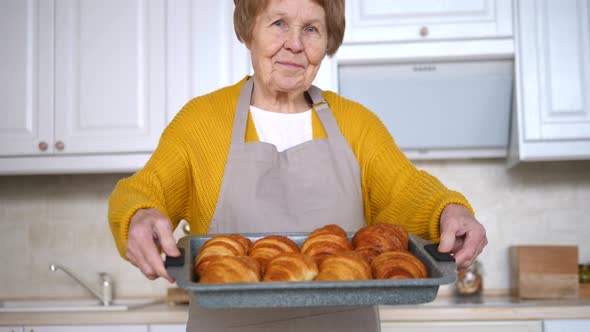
284	130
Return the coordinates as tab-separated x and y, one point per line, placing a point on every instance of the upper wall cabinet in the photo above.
88	86
406	20
93	85
26	69
552	118
404	31
109	75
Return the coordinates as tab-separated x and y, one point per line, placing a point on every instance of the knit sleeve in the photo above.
396	191
162	184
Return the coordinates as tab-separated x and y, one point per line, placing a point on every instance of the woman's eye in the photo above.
311	29
278	23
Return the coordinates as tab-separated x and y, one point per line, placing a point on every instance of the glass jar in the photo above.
584	270
470	281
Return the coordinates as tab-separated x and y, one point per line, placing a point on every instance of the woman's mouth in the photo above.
290	65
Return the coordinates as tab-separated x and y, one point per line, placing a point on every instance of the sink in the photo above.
73	305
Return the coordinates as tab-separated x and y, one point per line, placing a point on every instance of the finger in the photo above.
482	245
165	238
143	265
152	255
447	238
133	254
144	248
469	251
458	244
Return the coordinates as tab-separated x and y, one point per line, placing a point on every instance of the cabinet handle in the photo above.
424	31
43	146
59	145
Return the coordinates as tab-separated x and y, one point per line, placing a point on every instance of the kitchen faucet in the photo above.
106	284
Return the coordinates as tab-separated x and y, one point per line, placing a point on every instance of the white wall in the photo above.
63	219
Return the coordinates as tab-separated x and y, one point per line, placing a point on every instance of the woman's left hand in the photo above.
461	234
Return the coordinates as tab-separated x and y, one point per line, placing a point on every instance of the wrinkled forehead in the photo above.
286	8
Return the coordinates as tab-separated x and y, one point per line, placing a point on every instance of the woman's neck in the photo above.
279	101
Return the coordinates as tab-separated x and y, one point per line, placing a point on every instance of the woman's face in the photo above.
289	41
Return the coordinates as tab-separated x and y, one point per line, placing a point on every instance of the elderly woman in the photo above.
273	153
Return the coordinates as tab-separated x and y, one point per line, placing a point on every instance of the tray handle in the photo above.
175	261
178	267
432	249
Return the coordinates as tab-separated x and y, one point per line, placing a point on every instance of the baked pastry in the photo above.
347	265
220	245
330	229
244	241
398	265
230	269
325	242
266	248
370	241
290	267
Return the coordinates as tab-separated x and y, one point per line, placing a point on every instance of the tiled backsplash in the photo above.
63	219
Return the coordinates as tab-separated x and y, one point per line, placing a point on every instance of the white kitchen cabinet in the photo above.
88	86
11	329
167	328
483	326
26	69
421	32
109	76
552	105
566	325
92	84
407	20
87	328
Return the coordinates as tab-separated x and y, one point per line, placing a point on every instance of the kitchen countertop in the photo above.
444	308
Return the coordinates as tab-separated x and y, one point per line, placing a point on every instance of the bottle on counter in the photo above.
584	270
470	281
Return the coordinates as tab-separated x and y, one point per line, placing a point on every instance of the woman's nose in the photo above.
293	41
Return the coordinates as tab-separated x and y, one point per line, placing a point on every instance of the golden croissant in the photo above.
230	269
329	229
220	245
347	265
370	241
266	248
398	265
325	242
290	267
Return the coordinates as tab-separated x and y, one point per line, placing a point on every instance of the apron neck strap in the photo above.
322	108
320	105
241	116
317	98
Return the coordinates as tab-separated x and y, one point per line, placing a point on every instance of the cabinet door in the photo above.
567	325
496	326
397	20
26	69
11	329
110	90
87	328
553	79
168	328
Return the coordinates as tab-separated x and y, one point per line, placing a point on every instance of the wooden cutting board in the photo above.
177	296
539	272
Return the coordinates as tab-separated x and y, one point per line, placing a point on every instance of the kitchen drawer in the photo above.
484	326
11	329
567	325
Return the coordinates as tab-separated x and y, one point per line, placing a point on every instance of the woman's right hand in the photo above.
149	232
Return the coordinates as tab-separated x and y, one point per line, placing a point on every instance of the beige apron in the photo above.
297	190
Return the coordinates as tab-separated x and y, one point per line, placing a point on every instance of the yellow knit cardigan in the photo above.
183	177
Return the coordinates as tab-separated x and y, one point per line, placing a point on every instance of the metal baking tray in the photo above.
442	270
